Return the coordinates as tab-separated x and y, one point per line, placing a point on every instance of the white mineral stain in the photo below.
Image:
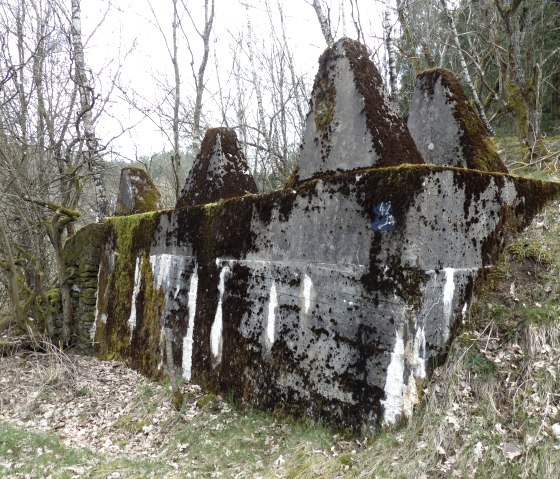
161	348
394	383
271	318
166	269
419	361
93	329
307	291
135	291
448	292
217	325
188	339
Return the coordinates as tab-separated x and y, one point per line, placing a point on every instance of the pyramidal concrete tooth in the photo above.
446	129
137	193
351	123
220	171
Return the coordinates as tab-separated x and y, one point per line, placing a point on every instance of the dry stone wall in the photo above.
334	297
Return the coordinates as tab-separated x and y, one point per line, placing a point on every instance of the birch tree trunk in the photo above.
391	57
86	107
199	79
464	69
323	22
176	155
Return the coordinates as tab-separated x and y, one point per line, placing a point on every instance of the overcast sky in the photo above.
128	43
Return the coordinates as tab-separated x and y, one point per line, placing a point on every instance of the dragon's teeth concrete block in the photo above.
137	193
333	298
220	171
445	128
351	123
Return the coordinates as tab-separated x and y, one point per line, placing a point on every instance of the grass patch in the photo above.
39	455
249	442
25	454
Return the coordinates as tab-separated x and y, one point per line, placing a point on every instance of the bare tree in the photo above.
465	75
87	100
42	171
324	22
199	77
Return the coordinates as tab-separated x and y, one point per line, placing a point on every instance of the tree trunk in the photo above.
199	80
390	45
14	290
176	155
323	22
464	69
85	115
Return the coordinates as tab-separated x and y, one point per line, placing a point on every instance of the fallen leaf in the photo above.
511	451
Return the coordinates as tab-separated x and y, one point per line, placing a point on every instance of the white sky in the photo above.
129	37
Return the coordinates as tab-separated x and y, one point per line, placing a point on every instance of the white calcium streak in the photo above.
93	329
307	287
135	291
217	325
188	339
394	383
419	351
448	292
162	266
271	318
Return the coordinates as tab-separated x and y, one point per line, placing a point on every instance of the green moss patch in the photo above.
130	237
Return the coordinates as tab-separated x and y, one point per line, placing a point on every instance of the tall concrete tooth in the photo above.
351	123
220	171
137	193
446	129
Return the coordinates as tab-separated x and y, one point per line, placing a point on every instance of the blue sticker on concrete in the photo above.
381	217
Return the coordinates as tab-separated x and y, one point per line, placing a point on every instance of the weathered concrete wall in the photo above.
334	297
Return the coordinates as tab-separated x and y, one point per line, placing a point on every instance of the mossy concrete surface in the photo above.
137	193
446	128
333	300
219	172
351	124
